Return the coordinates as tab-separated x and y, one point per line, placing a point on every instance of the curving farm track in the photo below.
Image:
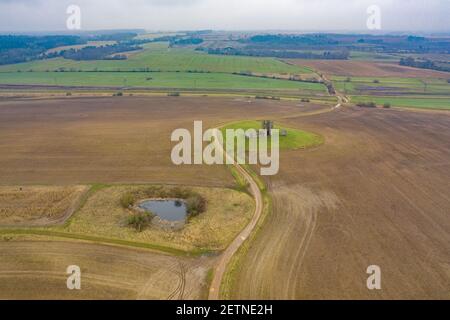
226	256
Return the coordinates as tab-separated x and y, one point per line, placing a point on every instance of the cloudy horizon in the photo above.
307	15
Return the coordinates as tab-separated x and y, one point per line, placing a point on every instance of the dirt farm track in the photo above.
375	193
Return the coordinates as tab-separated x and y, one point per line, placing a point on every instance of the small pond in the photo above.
169	210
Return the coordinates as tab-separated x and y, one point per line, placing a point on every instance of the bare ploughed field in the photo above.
61	143
114	140
376	193
37	270
367	69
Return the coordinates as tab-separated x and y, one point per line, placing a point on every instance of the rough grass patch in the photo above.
38	205
227	212
140	220
295	138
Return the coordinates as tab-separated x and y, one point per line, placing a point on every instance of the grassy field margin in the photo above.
229	279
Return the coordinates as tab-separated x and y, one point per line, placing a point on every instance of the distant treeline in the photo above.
110	52
186	42
340	42
291	40
424	64
285	54
119	37
179	40
42	42
333	46
16	49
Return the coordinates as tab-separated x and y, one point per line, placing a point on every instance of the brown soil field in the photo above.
108	140
38	205
376	193
37	270
367	69
111	140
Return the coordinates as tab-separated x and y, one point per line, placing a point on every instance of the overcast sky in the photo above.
326	15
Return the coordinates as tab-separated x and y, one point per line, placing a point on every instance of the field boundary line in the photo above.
102	240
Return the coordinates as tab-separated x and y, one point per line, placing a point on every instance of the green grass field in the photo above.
401	85
427	93
180	80
182	68
172	68
372	56
158	57
295	139
442	103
